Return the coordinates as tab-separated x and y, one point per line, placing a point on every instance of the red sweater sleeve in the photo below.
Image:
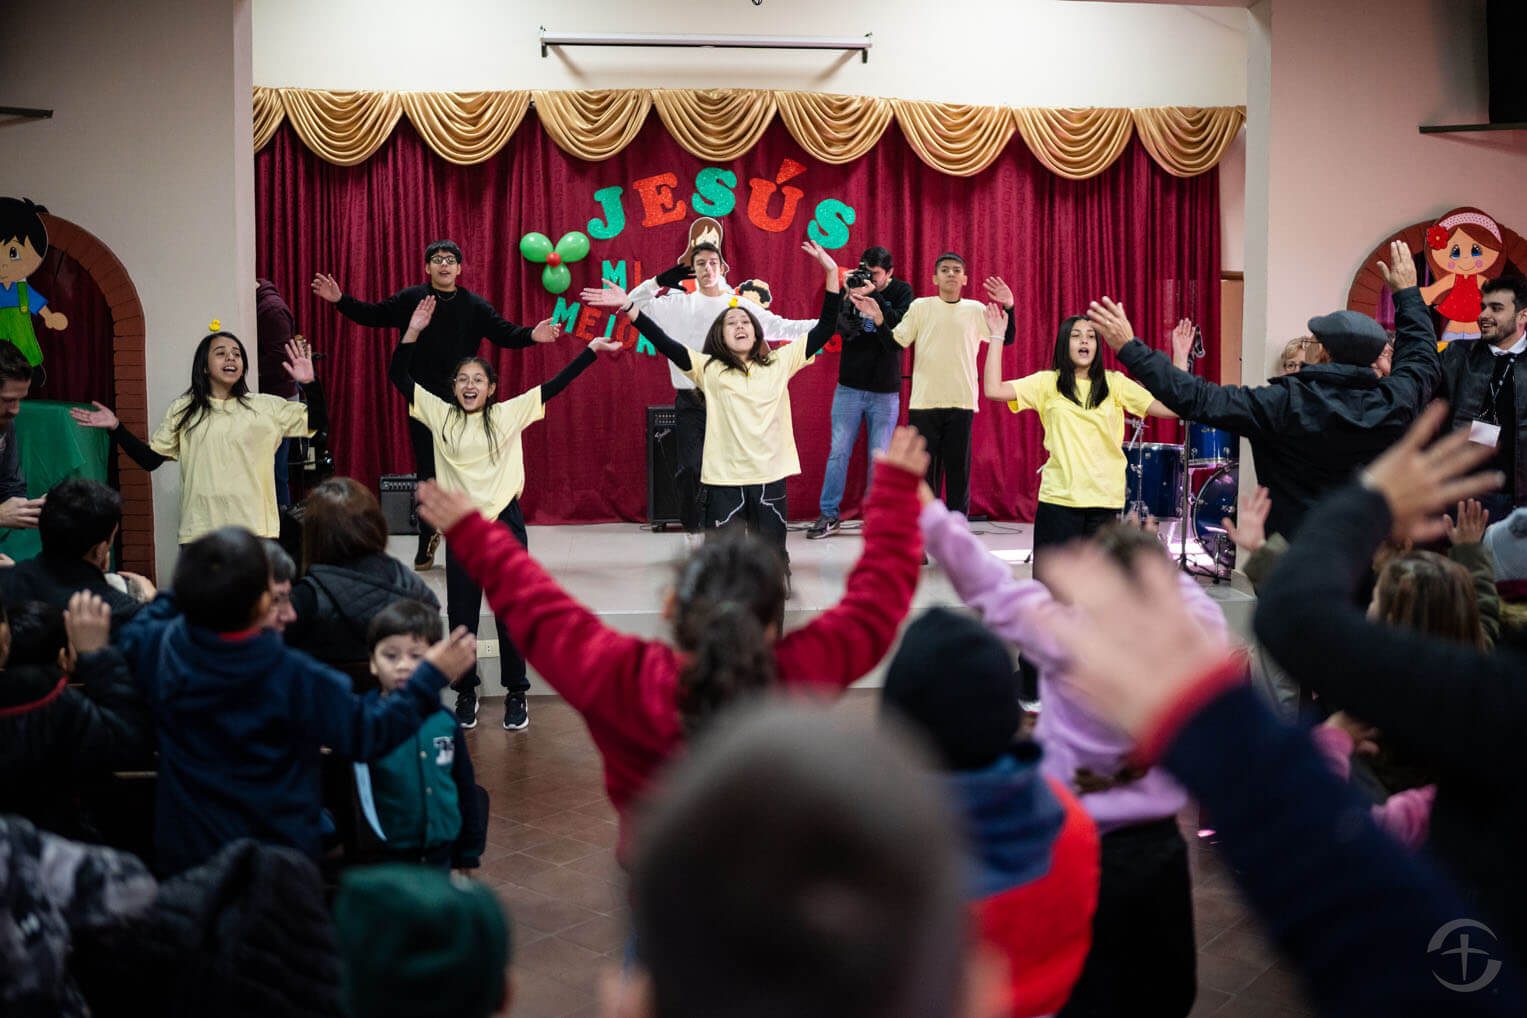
591	665
846	641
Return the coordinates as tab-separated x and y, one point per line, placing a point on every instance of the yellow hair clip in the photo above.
216	325
732	303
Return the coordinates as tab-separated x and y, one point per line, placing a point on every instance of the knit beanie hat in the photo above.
1350	337
1507	541
418	942
952	680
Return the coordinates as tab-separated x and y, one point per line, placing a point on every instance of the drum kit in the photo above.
1192	500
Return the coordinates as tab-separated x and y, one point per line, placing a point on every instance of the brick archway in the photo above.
130	380
1368	285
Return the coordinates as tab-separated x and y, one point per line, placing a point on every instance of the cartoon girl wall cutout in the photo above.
1461	248
23	242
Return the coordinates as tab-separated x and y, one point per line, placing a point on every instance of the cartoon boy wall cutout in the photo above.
1461	248
23	242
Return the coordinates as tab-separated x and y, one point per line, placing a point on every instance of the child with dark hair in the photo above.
421	799
643	699
795	865
77	525
224	437
477	450
23	242
749	438
445	340
54	737
1143	953
241	718
1033	881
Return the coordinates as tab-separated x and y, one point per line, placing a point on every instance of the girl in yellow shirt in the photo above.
749	437
224	437
1081	407
478	452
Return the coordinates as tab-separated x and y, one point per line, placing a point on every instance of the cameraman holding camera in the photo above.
869	374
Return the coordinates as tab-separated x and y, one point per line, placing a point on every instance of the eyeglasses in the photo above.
444	260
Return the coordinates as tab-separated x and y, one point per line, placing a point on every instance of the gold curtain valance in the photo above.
1187	141
1075	143
721	124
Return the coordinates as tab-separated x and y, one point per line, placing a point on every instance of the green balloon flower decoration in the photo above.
538	248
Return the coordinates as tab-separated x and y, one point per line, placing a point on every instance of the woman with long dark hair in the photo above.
477	452
224	436
1081	406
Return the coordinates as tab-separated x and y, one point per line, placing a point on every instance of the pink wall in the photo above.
1350	83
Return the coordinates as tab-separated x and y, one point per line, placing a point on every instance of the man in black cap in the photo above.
1309	431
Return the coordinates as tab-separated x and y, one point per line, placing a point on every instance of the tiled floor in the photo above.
550	845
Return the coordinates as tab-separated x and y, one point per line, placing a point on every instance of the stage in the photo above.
621	570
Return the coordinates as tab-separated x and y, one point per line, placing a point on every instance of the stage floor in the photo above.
621	570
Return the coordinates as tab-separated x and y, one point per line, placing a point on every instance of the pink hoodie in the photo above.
1073	739
1405	816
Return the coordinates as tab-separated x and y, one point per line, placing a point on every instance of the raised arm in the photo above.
577	366
832	300
299	365
1466	535
136	449
846	641
399	369
992	385
502	332
112	728
363	729
999	293
1416	372
1237	408
1009	606
392	312
580	657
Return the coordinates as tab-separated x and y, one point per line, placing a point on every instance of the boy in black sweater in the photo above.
461	320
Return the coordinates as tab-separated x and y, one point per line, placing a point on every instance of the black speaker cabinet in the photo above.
1505	21
662	458
398	503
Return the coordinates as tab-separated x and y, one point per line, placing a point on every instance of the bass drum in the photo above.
1214	498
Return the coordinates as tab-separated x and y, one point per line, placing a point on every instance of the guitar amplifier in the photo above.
398	503
662	460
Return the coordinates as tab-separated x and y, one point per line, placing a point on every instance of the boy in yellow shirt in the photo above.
949	331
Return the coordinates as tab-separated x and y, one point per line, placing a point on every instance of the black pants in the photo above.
463	607
689	433
1055	525
947	433
423	442
1143	960
759	508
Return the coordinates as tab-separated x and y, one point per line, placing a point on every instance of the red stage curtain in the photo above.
76	360
1135	233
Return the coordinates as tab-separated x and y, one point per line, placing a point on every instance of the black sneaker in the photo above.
424	561
516	714
822	527
466	708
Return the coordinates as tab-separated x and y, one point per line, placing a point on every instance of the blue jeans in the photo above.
849	406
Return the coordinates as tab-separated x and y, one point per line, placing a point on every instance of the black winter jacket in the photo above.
1466	371
335	605
244	934
53	737
1309	431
